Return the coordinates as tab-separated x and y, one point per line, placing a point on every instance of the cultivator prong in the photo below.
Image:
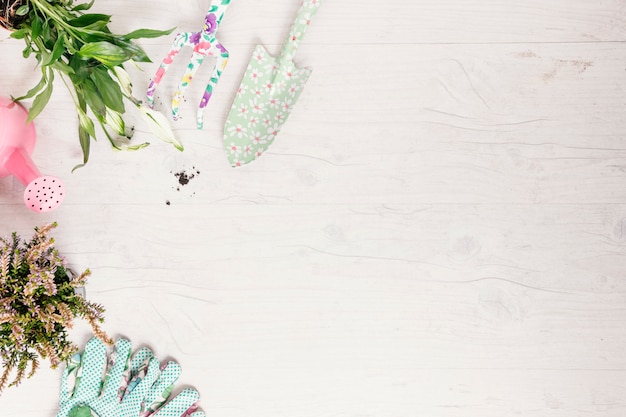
204	44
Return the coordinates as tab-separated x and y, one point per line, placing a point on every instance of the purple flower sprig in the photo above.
38	304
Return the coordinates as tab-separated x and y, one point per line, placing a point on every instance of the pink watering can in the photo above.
17	140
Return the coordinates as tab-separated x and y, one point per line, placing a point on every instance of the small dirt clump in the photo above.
184	176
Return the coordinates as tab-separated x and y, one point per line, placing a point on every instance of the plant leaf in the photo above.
41	100
116	122
109	89
159	125
83	6
62	67
19	34
122	144
84	139
22	10
124	80
35	89
81	70
147	33
99	26
86	123
136	147
105	52
86	129
88	35
46	31
94	99
89	19
134	51
57	51
36	25
27	51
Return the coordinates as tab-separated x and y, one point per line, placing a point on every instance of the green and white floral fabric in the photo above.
133	386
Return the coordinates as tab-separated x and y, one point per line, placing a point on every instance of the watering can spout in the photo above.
19	163
17	141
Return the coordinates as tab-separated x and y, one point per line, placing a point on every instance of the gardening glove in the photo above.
133	386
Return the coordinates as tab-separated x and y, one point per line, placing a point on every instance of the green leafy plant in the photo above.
79	48
38	304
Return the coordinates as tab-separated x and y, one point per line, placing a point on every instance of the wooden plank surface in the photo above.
439	230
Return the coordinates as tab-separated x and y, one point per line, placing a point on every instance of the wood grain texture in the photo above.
439	230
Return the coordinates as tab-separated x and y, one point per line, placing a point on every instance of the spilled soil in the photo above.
183	177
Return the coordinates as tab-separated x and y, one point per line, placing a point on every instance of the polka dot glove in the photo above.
136	386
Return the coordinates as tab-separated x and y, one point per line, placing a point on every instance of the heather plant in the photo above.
38	304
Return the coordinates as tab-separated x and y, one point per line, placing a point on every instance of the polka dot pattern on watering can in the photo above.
44	194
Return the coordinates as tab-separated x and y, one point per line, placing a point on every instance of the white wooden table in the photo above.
439	230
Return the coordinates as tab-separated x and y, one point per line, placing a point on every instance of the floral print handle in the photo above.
308	8
204	43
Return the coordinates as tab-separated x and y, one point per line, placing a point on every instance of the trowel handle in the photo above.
298	29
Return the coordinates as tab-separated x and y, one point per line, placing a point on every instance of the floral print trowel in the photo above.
268	91
204	43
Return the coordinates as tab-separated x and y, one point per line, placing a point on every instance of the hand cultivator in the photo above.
204	43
